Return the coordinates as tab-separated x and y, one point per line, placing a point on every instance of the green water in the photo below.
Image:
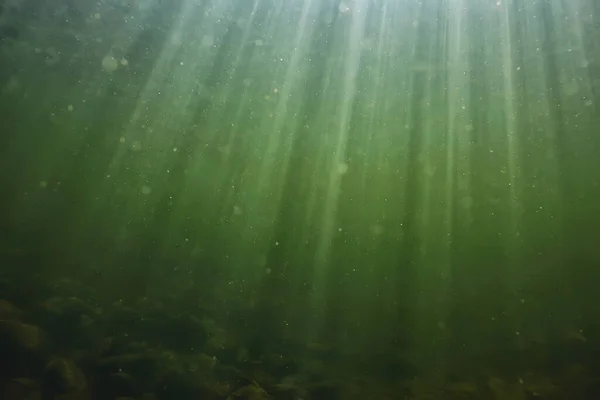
412	187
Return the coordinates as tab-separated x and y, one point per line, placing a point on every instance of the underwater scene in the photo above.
299	199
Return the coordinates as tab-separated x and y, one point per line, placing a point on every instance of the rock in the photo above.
326	391
8	311
129	362
182	333
126	375
69	289
502	390
20	389
71	306
63	378
264	378
539	386
250	392
462	390
234	377
71	322
22	349
120	384
23	336
288	391
120	345
183	385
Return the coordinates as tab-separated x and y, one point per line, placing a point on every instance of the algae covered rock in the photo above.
250	392
22	347
20	389
21	336
9	311
63	378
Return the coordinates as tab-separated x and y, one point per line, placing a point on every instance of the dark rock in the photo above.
250	392
22	349
182	333
125	375
24	336
264	378
119	384
462	390
326	391
235	378
70	322
142	366
8	311
67	288
72	307
501	389
592	391
285	391
120	345
183	386
281	365
63	378
20	389
179	332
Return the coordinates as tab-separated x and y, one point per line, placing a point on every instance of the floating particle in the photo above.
109	63
146	190
136	145
70	107
344	8
51	56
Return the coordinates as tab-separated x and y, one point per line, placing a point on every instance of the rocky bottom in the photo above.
61	346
